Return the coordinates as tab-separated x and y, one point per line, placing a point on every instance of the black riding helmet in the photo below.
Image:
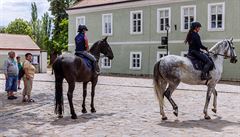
195	25
82	27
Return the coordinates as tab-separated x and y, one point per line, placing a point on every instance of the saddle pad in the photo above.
86	61
198	64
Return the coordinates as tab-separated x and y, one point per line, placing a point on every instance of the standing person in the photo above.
194	41
29	70
19	71
82	48
10	69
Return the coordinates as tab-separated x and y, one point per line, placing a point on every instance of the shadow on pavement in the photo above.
216	125
81	119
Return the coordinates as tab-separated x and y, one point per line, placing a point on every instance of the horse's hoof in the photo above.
214	110
60	116
175	113
164	118
93	111
207	117
74	116
84	111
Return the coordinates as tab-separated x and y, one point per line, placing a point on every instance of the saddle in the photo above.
86	60
198	64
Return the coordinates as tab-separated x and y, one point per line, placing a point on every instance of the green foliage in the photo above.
61	41
35	24
19	26
2	30
46	32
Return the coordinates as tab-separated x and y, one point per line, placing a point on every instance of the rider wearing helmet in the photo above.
194	41
82	48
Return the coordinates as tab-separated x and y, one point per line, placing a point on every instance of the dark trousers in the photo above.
204	58
90	57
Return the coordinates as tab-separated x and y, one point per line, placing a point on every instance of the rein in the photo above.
231	49
217	54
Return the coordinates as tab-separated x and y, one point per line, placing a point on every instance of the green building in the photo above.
135	27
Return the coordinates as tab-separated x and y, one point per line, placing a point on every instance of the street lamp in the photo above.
167	29
164	40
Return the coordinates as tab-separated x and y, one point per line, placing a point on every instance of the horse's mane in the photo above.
94	46
215	48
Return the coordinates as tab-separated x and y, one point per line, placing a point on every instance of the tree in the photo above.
19	26
60	35
36	26
2	30
46	32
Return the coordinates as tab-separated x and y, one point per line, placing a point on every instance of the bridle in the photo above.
231	51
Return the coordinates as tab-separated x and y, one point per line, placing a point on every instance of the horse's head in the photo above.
105	48
229	50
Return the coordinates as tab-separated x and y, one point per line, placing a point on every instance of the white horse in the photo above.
173	69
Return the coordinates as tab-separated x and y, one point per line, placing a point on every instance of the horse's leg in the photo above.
168	94
214	101
162	88
94	83
59	96
71	86
84	97
208	97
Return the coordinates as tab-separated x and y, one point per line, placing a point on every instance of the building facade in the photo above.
135	28
22	44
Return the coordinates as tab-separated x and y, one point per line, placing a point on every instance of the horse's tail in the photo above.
57	68
157	81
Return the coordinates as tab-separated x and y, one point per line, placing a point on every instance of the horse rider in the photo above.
194	41
82	48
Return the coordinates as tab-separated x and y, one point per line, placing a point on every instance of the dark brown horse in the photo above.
73	69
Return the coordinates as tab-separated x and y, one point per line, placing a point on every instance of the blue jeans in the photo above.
11	83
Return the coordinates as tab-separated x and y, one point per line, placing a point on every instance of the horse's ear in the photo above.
105	39
231	39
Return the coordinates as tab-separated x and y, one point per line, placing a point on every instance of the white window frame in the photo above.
78	23
164	53
103	24
209	17
182	16
131	21
158	20
183	53
131	61
103	63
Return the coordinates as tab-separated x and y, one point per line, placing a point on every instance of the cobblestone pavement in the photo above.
126	107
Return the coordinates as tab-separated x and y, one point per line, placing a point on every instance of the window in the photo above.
106	62
184	53
136	22
161	54
35	59
107	24
216	16
135	60
188	16
80	21
163	19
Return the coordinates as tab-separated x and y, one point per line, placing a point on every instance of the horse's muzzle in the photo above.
233	60
111	57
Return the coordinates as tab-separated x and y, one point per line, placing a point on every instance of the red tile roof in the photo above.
17	42
93	3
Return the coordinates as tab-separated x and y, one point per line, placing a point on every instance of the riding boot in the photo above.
205	75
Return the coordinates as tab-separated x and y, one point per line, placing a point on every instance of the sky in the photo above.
12	9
